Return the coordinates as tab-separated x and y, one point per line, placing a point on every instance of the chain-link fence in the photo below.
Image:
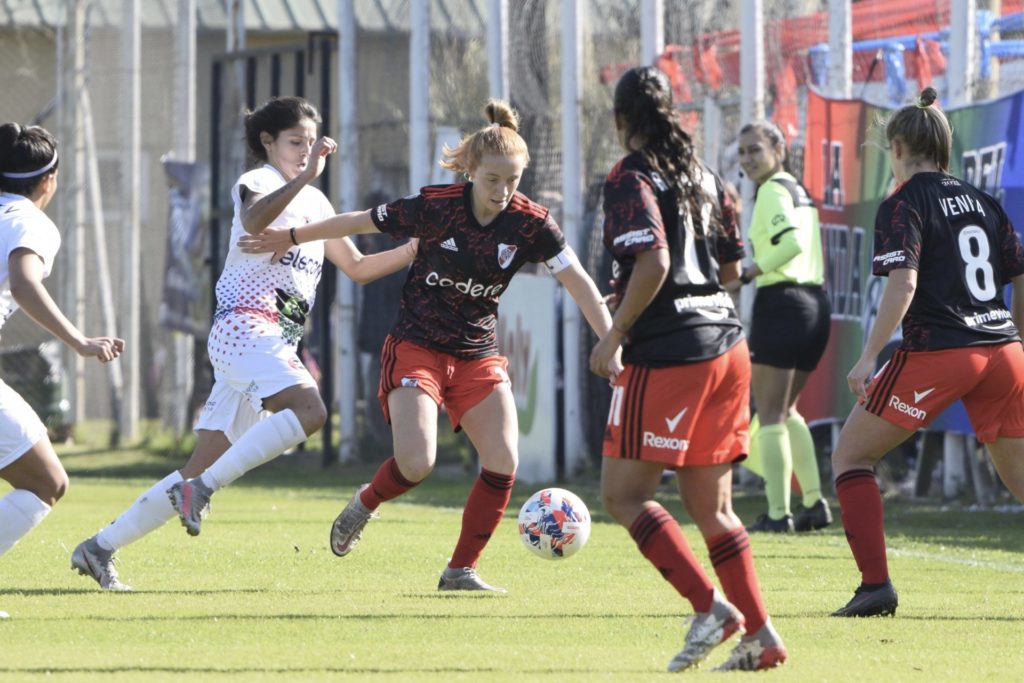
294	52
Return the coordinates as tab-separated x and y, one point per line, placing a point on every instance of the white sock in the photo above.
263	442
20	512
151	511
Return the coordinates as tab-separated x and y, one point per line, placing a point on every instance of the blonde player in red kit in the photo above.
947	249
443	350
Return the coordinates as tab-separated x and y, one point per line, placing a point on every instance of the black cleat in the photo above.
775	526
878	601
818	516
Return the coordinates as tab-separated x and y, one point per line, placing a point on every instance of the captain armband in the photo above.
561	261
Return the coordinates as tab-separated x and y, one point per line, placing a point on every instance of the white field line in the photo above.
952	559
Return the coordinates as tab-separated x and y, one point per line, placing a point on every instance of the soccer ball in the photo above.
554	523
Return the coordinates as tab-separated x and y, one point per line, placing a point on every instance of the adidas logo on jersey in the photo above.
449	244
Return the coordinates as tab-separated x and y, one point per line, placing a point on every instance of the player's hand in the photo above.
605	358
276	241
104	349
318	157
859	377
612	300
733	286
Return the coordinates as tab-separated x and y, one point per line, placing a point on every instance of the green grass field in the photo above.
259	596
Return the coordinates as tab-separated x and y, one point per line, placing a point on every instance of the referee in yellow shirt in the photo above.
790	328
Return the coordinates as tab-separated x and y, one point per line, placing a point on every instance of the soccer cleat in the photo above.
92	559
707	631
757	652
775	526
348	527
464	579
4	615
875	601
191	498
818	516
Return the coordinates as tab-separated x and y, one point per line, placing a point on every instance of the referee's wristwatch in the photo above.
744	278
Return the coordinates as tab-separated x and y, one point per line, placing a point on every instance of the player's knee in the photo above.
617	506
313	416
53	488
415	468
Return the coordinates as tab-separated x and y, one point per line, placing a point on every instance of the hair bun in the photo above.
498	112
927	97
9	134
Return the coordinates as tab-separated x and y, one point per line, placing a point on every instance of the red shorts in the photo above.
458	384
684	415
915	386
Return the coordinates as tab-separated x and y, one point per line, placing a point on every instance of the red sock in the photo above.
860	503
734	564
388	483
483	512
661	541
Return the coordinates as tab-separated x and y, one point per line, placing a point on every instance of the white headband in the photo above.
33	174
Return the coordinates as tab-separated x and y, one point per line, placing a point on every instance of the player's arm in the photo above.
364	268
896	298
260	210
26	277
586	295
280	240
649	272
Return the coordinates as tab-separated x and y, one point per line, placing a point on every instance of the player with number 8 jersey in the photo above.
947	250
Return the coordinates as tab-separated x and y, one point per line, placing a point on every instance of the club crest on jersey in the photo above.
506	252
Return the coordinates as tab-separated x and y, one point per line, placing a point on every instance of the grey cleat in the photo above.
92	559
464	579
191	498
348	527
757	652
707	631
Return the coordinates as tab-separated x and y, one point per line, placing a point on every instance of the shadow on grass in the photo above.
450	483
347	670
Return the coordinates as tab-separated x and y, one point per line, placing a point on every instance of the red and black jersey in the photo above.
691	318
964	249
450	298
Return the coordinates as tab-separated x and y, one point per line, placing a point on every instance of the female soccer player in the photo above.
789	332
682	401
947	249
29	241
443	350
261	312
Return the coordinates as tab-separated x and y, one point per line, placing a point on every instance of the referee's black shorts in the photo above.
790	326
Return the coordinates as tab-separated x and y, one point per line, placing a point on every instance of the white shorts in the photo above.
20	427
246	372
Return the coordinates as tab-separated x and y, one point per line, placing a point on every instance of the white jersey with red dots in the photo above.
258	298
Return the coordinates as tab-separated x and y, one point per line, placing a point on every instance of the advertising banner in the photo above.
186	300
527	336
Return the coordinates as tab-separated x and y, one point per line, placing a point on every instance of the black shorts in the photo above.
790	326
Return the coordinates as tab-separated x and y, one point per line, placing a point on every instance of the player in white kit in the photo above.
28	243
263	401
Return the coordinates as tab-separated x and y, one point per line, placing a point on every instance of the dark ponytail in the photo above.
27	155
643	98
